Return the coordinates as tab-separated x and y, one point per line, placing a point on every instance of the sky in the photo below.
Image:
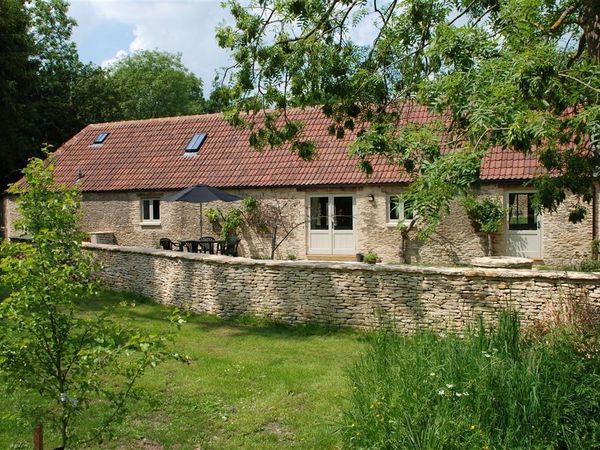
108	29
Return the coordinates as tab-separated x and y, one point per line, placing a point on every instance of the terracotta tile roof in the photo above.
149	155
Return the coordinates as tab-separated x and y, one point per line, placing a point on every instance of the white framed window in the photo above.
150	210
397	210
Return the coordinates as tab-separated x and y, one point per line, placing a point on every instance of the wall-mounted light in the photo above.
371	197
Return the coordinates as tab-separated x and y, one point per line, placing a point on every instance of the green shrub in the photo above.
587	265
370	257
488	389
487	215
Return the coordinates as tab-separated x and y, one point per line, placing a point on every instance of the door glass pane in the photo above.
342	219
394	211
522	214
156	209
146	210
319	218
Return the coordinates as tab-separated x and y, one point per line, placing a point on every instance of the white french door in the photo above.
331	225
524	237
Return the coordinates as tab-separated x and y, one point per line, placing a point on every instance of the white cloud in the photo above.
119	55
176	26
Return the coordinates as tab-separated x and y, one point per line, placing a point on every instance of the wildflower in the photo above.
486	354
449	386
441	392
458	394
466	394
472	427
432	374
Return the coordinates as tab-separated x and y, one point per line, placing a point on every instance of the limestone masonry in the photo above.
348	294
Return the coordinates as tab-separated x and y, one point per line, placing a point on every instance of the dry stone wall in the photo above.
346	294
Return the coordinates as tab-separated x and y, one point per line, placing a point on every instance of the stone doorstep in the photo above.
503	262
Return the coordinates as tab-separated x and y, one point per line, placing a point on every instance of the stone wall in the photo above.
349	294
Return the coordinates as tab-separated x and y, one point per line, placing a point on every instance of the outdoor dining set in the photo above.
206	244
200	194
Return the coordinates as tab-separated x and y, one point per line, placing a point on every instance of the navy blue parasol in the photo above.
201	193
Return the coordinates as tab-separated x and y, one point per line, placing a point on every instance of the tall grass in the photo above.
490	389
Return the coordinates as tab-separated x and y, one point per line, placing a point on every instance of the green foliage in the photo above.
150	84
587	265
214	215
370	257
67	361
595	247
489	389
485	212
17	84
442	179
520	74
254	213
229	222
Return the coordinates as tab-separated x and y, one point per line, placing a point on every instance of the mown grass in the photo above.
249	384
485	390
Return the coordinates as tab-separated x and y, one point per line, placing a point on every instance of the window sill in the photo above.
150	224
395	224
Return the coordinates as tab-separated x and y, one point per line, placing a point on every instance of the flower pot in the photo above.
359	257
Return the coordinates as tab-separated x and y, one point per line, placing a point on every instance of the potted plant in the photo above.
371	257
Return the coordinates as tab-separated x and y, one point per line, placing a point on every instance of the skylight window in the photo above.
100	138
195	143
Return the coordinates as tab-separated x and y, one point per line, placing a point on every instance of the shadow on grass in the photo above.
147	310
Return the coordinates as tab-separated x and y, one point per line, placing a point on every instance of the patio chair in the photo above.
168	244
191	246
230	248
207	248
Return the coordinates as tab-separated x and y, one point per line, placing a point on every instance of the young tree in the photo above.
271	218
155	84
520	74
77	363
487	214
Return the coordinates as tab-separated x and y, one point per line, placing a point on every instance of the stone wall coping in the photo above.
469	272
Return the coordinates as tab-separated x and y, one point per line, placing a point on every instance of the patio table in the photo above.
196	245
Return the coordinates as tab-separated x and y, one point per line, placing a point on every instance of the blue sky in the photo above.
110	28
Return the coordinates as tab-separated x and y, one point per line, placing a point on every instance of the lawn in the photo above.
249	385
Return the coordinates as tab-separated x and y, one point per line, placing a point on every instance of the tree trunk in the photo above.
273	241
38	437
590	21
489	244
404	247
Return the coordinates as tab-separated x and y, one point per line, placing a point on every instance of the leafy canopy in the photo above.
155	84
519	74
